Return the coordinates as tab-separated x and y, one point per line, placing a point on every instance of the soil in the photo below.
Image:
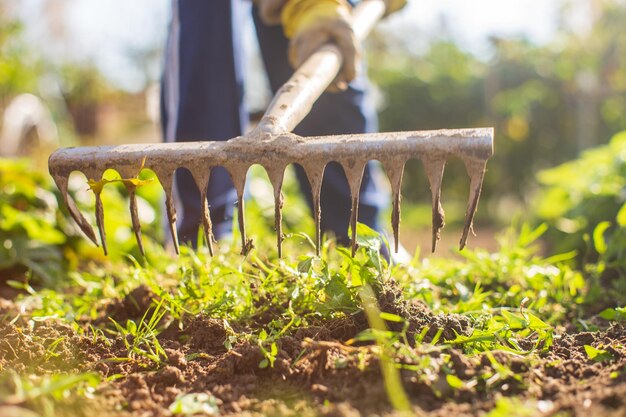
315	371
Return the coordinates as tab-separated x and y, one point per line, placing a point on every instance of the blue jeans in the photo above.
202	99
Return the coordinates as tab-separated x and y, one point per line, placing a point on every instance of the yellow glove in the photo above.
270	10
310	24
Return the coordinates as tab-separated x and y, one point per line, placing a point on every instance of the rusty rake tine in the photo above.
62	183
278	217
276	178
353	219
355	177
317	216
171	220
395	171
316	190
134	217
100	222
207	226
395	219
434	170
476	172
241	219
238	173
201	177
166	180
315	175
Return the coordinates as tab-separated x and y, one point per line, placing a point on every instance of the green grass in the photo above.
494	291
51	395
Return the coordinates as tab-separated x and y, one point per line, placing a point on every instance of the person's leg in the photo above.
334	113
203	100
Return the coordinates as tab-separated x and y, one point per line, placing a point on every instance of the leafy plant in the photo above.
597	354
47	394
614	314
505	332
269	352
584	203
514	278
141	339
32	233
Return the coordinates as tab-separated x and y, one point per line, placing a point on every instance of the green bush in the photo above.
37	236
584	203
32	233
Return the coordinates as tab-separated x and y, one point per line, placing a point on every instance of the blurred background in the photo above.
549	75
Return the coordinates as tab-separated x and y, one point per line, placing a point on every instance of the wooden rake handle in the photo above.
294	100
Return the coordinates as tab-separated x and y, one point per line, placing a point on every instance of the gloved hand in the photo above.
312	23
269	10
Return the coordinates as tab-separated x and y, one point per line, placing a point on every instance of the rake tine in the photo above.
171	219
354	174
317	216
395	170
100	222
476	171
207	226
353	219
315	175
61	180
395	218
241	219
276	176
434	170
201	177
278	217
166	180
134	216
238	174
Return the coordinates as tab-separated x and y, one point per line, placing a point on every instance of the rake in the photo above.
271	145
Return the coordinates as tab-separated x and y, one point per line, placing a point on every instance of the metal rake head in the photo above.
275	153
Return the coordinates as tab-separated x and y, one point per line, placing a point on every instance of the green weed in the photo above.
487	283
47	394
614	314
141	339
506	332
583	201
597	354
